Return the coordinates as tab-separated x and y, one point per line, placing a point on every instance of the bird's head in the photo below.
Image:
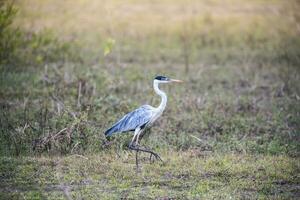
163	79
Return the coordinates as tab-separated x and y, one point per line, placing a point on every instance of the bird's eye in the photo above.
162	78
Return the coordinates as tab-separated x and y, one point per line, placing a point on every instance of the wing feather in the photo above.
131	121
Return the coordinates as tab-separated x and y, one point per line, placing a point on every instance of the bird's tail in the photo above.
110	131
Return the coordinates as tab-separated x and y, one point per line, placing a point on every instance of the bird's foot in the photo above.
134	146
138	148
153	157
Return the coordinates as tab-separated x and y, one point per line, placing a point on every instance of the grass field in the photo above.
69	69
185	175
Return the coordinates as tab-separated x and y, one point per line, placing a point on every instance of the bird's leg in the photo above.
146	149
152	153
137	139
138	148
150	159
149	151
137	160
136	133
137	152
132	147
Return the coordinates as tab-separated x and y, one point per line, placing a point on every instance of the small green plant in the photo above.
9	37
108	46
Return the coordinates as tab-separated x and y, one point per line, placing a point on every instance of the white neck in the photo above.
163	96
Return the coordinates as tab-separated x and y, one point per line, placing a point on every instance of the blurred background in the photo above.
69	69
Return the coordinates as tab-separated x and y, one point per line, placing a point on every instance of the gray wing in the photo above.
137	118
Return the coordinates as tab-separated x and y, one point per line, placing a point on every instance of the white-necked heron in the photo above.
142	118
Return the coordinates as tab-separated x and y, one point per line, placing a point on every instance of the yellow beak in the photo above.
176	81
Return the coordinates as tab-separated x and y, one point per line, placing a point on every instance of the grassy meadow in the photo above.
69	69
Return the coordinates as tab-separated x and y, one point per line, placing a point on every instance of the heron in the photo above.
141	118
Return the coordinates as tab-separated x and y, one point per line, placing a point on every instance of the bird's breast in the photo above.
155	116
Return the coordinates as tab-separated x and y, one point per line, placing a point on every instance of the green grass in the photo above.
184	175
232	109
